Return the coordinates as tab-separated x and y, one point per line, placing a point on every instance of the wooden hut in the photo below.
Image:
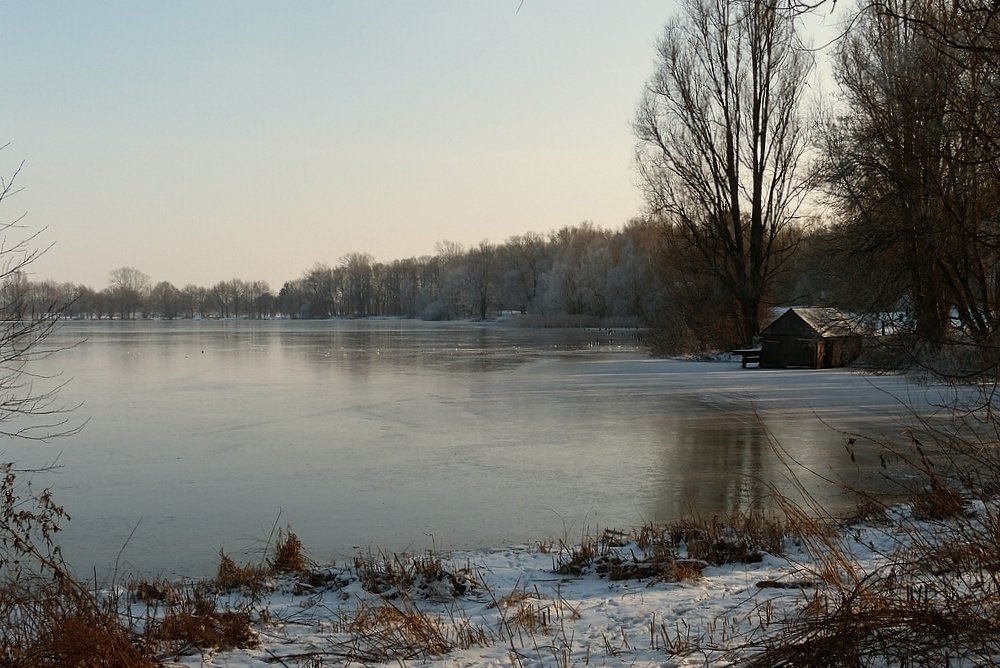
817	338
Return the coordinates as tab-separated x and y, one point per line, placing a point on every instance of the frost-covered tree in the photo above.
525	265
357	271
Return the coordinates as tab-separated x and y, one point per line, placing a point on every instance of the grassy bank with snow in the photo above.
912	584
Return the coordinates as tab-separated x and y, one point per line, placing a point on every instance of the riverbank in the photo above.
911	583
512	607
693	594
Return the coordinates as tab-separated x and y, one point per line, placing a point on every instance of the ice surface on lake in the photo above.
403	435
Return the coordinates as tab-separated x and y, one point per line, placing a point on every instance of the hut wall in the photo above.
783	351
839	351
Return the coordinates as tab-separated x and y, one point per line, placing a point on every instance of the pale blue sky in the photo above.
201	141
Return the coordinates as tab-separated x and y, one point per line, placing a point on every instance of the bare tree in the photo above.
15	293
482	276
452	294
192	300
721	140
357	276
526	263
913	162
129	289
165	300
319	292
26	409
399	288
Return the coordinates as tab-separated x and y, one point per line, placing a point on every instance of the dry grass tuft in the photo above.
524	615
938	502
866	509
407	629
289	556
523	612
900	615
389	633
673	552
590	554
741	538
184	617
246	578
196	621
392	576
152	592
56	621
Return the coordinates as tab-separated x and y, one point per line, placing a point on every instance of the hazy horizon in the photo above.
200	142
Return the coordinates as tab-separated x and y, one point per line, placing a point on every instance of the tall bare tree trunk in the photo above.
722	144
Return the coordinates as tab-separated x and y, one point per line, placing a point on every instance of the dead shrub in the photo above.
938	502
153	592
866	509
50	624
930	594
47	616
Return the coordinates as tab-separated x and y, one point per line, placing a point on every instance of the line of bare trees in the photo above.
577	271
130	295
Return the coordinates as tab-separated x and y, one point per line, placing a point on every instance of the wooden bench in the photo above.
748	356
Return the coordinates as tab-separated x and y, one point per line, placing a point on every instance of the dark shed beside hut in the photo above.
818	338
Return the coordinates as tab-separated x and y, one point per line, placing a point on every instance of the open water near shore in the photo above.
403	435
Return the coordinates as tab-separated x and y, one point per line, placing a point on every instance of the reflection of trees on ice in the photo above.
717	465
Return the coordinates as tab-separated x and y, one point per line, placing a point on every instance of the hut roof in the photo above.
824	322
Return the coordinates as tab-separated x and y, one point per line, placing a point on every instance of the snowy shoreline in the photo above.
511	607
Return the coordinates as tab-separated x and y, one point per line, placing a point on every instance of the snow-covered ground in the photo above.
512	608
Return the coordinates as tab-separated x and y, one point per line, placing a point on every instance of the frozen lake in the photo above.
407	435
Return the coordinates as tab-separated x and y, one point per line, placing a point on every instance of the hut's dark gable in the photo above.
809	337
791	324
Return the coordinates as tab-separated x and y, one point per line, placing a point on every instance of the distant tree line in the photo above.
577	271
643	273
130	295
885	202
